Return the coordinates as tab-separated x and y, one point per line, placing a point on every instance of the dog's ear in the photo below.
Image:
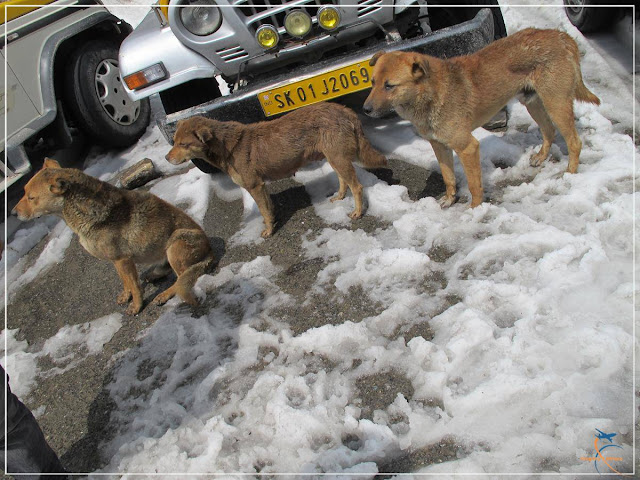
50	163
59	186
204	133
420	67
375	58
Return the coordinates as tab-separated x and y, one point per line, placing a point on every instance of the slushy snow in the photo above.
529	297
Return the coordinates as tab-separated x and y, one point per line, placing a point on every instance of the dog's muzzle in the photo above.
21	217
371	112
174	161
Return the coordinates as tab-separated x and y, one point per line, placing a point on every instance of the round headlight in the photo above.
297	23
200	17
267	36
329	18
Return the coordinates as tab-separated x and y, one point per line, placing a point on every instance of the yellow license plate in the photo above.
336	83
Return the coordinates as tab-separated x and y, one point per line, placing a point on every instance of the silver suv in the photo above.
61	65
278	55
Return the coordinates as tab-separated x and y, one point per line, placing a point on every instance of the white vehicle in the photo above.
61	69
279	55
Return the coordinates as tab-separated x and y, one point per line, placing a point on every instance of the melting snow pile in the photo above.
65	350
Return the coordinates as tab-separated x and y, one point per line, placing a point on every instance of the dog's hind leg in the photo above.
539	114
563	117
347	175
445	159
189	255
129	275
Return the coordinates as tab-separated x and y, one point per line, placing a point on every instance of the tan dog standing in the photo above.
447	99
255	153
124	227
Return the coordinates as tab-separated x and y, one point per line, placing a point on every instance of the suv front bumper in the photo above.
244	106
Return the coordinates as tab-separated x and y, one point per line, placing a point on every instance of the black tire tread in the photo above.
590	19
85	111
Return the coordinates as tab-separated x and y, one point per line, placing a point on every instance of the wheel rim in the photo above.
575	6
114	100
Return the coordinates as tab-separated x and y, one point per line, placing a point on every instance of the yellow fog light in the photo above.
297	23
267	36
329	18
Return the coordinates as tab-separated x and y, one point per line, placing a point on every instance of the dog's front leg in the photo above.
445	158
468	151
262	198
123	297
129	275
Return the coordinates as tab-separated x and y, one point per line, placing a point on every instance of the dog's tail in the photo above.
368	155
584	94
186	281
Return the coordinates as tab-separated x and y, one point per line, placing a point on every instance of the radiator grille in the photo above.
232	53
366	7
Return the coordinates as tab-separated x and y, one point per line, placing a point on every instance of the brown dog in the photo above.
447	99
125	227
252	154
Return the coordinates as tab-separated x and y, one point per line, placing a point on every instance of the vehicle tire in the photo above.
587	19
96	100
448	15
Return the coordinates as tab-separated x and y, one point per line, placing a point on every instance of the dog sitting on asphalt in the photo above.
124	227
447	99
255	153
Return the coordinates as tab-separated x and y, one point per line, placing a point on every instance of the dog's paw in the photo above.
537	159
355	215
267	232
336	198
124	297
133	309
160	299
165	296
446	201
190	299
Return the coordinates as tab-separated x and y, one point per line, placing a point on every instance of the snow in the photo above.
66	350
132	11
531	310
24	240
